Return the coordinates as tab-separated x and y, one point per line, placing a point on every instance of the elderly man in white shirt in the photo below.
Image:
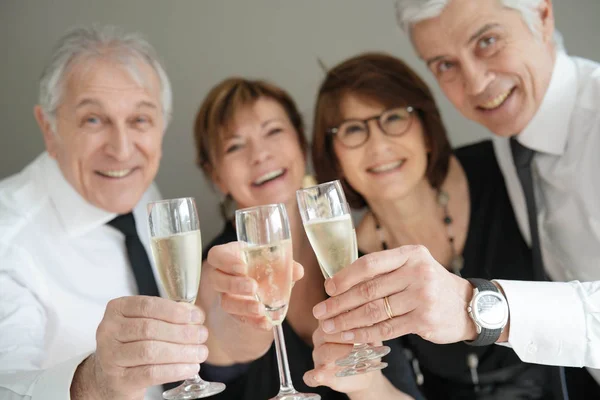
72	325
498	63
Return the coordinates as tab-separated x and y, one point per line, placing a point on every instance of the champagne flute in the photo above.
328	225
177	250
265	237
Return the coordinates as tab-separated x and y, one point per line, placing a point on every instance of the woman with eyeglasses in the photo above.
377	128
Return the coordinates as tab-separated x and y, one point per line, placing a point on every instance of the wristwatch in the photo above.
489	311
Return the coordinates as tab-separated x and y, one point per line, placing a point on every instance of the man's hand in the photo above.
424	297
141	342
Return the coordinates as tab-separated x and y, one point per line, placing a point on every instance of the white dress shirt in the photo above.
60	264
559	323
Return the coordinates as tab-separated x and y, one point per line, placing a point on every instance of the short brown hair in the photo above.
218	110
387	81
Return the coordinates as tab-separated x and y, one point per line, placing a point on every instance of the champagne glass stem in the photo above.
285	379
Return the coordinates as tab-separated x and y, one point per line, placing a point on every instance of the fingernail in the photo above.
248	287
196	316
330	287
348	336
202	353
328	326
258	309
239	269
319	310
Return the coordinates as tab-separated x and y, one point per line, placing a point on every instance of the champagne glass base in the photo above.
194	391
293	395
361	368
363	354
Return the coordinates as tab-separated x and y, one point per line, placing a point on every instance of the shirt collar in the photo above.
549	129
76	214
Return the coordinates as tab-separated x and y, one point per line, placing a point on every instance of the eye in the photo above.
92	120
141	121
444	66
487	42
233	148
352	129
274	131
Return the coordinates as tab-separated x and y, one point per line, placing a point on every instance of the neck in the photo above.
409	212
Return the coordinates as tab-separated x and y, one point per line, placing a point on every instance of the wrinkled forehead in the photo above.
115	76
457	23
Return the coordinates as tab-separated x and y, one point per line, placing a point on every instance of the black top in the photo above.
494	249
260	378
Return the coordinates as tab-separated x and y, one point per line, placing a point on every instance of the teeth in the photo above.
388	166
268	176
119	173
495	102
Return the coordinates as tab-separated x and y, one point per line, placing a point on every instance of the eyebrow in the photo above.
481	31
473	37
267	122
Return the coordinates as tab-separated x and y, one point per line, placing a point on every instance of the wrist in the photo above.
470	330
505	333
83	385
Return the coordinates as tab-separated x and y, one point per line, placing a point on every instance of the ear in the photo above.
50	137
547	24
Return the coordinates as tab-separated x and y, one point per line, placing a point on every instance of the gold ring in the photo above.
388	308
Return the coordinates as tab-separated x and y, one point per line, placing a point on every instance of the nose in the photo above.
476	77
120	143
259	152
378	141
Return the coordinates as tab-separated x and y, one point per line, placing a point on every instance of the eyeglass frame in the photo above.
333	131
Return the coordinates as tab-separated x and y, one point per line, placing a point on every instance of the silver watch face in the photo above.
490	310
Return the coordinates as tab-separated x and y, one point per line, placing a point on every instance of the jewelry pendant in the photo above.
443	198
457	264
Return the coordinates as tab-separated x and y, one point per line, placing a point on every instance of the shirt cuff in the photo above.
55	383
547	322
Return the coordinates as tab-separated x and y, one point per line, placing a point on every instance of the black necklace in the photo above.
457	261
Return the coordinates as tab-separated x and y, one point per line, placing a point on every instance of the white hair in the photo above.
410	12
99	42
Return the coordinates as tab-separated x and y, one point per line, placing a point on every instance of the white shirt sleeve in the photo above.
555	323
23	325
51	384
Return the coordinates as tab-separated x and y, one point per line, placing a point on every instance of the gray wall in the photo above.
204	41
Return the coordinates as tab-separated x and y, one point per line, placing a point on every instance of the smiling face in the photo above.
109	132
488	62
262	161
385	167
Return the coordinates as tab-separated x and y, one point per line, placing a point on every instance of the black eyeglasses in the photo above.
354	133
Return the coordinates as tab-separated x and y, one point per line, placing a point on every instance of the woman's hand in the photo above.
327	349
227	274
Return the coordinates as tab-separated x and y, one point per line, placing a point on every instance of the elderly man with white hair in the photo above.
73	231
500	64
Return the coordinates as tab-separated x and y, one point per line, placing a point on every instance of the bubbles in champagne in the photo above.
272	267
334	243
179	259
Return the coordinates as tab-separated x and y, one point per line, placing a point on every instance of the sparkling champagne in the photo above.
179	260
272	267
334	242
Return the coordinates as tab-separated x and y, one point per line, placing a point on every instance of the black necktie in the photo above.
522	157
138	258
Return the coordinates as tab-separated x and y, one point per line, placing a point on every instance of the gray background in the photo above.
204	41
